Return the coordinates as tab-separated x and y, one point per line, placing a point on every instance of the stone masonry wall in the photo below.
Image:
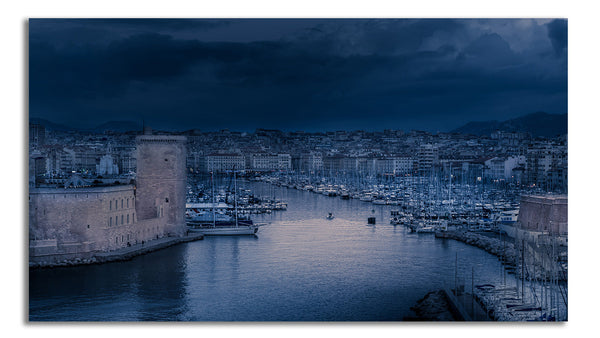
161	180
75	222
82	220
60	217
544	214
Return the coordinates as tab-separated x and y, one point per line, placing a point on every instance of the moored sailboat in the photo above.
232	226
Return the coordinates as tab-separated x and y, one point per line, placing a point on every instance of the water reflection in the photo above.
300	267
161	285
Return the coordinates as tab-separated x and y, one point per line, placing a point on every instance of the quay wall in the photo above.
122	254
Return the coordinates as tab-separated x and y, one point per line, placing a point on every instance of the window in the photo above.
121	203
110	206
127	218
116	220
121	219
128	202
110	221
116	239
116	205
88	226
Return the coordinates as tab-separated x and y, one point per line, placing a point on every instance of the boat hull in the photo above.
226	231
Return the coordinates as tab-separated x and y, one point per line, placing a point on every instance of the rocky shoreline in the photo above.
504	250
433	307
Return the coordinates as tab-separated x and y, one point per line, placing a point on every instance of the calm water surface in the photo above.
300	267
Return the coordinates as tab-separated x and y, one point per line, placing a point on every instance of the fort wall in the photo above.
78	215
547	214
75	223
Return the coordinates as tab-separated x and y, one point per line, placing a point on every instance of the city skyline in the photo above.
296	74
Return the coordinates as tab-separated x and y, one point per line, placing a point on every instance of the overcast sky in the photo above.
296	74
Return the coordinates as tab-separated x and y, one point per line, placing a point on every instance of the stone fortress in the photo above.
76	223
541	236
544	214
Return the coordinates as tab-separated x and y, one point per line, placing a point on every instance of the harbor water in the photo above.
300	267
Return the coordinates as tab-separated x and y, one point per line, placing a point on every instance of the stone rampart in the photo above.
79	214
544	214
69	223
75	223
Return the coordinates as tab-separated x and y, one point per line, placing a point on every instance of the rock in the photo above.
433	307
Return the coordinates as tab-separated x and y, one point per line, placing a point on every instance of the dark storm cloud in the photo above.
557	32
490	50
149	56
60	31
427	74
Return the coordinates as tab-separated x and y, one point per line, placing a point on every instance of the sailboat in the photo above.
231	227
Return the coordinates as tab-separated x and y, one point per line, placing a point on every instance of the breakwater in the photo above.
502	249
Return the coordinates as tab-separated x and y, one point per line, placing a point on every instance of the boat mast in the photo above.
212	185
235	197
450	193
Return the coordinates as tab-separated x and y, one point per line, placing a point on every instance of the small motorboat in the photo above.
330	216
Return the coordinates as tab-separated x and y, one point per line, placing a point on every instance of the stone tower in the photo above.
161	180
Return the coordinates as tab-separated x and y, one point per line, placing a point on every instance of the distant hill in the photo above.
49	125
116	126
537	124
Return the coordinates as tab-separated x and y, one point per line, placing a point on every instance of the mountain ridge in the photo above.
117	126
536	124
